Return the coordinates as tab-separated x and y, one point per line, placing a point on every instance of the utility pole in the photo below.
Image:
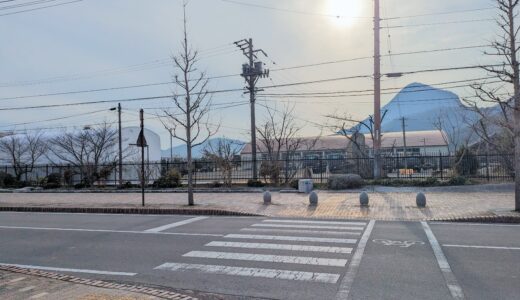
120	146
377	92
403	120
141	142
251	73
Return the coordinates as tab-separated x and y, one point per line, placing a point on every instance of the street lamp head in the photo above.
113	108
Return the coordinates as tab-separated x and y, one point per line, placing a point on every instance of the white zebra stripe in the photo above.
306	248
316	222
308	226
331	262
252	272
320	232
290	238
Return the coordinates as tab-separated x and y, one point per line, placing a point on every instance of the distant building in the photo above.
417	143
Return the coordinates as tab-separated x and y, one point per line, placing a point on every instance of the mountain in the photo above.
423	106
198	151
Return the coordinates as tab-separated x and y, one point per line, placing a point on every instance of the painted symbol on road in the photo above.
402	244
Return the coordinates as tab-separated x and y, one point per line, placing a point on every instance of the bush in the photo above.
7	180
79	186
345	181
53	181
467	162
255	183
294	184
216	184
171	179
457	180
127	185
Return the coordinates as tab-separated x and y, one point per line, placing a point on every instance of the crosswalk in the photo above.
296	250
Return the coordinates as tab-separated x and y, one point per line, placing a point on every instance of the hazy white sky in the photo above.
96	44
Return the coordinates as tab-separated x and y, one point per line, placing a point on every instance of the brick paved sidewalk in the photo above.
20	284
385	203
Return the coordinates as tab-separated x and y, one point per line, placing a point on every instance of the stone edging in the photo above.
99	283
137	211
481	219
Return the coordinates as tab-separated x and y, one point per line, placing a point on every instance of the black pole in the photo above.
141	113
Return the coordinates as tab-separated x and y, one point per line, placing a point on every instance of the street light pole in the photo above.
120	167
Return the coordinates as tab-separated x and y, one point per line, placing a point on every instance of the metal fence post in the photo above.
321	170
440	165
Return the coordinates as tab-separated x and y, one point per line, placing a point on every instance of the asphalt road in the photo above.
252	257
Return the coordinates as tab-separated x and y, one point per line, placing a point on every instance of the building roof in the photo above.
430	138
322	143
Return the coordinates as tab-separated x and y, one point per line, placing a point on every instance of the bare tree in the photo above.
23	151
451	127
351	129
87	150
189	123
280	140
507	119
223	154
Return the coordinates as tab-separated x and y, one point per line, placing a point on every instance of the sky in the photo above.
96	44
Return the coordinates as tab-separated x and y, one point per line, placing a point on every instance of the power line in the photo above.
54	119
38	8
440	23
440	13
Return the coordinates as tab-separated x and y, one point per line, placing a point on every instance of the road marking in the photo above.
176	224
70	270
316	222
281	247
402	244
483	247
108	231
322	232
286	259
252	272
39	295
307	226
449	277
474	224
355	261
26	289
290	238
16	280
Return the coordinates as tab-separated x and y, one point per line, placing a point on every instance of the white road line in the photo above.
26	289
107	230
37	296
290	238
320	232
286	259
316	222
252	272
308	248
176	224
348	279
483	247
474	224
16	280
449	277
70	270
308	226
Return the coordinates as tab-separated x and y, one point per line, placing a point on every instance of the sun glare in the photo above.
346	11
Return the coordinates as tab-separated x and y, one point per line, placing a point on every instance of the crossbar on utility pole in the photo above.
377	92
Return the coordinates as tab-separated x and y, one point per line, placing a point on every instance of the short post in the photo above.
363	199
313	199
267	198
420	200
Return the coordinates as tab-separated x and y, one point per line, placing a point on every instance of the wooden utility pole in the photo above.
141	142
377	93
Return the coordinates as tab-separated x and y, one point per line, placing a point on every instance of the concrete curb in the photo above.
99	283
481	219
134	211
